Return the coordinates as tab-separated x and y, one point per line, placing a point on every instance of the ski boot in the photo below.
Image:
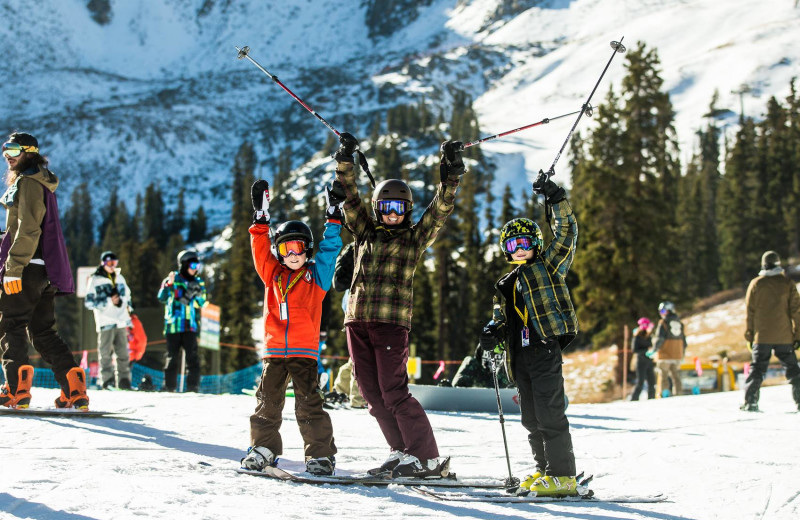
411	466
749	407
22	397
549	486
389	464
77	398
322	466
258	458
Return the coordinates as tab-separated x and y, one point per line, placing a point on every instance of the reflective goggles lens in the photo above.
400	207
291	247
15	149
524	243
194	265
111	261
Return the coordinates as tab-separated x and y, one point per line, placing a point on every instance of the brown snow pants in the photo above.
313	421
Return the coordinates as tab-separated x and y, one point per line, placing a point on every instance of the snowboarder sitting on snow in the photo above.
378	318
295	286
533	320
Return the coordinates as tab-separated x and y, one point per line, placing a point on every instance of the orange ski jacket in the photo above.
298	334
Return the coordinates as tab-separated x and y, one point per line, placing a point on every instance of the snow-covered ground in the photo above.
712	460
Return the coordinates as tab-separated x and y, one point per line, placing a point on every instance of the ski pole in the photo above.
618	48
514	131
511	482
244	52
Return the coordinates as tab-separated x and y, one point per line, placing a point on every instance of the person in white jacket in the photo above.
108	295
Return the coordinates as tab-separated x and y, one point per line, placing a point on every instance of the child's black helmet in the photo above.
293	230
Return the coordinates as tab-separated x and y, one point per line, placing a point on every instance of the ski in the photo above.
496	497
71	413
365	479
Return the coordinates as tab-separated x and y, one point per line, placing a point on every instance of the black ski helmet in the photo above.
521	227
186	256
293	230
391	189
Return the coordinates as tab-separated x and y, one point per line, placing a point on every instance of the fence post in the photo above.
625	362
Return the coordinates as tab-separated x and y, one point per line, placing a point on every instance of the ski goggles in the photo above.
194	265
399	207
512	244
15	149
292	247
111	261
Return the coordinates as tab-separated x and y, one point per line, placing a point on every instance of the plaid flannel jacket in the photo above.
542	283
385	259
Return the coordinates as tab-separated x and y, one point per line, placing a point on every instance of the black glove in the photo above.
451	165
335	196
492	338
347	148
259	194
797	344
551	191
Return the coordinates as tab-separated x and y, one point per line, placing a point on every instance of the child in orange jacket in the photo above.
295	286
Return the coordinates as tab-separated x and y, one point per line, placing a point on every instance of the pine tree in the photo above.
198	226
237	288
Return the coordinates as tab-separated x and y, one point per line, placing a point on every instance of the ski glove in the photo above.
551	191
347	148
492	338
259	193
335	196
12	284
451	165
797	344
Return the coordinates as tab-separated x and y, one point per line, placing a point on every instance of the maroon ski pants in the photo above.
380	354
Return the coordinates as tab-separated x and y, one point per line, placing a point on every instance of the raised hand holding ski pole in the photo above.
451	165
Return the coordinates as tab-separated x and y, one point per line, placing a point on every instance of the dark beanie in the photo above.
23	139
770	260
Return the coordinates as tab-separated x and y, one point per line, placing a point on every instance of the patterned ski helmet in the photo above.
521	227
293	230
665	307
644	323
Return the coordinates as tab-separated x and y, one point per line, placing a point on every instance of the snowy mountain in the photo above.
175	458
125	93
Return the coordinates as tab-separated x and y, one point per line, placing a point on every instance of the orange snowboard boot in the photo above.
77	398
22	397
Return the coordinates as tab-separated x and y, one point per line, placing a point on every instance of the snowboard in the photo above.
71	413
503	498
365	479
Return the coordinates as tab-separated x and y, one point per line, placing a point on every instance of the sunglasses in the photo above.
512	244
292	247
16	149
399	207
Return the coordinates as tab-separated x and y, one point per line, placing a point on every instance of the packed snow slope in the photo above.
122	94
175	458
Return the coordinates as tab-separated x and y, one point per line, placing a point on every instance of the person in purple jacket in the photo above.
34	268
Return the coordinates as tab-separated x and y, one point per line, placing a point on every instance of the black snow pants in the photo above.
761	354
541	398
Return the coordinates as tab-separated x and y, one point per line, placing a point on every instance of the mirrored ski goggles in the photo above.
110	261
525	243
292	247
194	265
15	149
399	207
